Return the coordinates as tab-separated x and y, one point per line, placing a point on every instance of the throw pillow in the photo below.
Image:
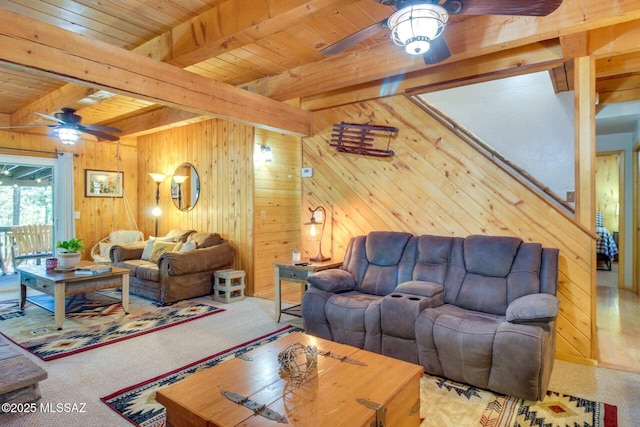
188	246
148	248
160	248
177	247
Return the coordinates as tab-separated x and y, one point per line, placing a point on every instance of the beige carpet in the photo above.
83	378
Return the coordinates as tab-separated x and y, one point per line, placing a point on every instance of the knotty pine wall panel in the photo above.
98	216
222	154
437	184
276	218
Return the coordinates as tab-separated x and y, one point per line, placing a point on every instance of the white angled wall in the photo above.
521	118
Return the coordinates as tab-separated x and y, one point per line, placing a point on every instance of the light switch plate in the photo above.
307	172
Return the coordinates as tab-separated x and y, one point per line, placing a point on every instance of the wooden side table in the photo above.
289	272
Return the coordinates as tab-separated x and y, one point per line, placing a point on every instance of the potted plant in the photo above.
69	252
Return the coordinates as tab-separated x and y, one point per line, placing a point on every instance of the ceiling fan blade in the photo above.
48	117
509	7
100	135
24	127
355	38
438	52
101	128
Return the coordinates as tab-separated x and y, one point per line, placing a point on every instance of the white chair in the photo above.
100	251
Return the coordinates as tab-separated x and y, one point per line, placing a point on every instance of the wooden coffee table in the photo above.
61	285
329	396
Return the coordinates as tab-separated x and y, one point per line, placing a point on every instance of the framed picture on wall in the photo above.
103	183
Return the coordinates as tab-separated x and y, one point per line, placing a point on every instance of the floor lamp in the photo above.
156	212
313	231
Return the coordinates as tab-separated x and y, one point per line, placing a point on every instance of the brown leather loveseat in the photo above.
174	274
479	310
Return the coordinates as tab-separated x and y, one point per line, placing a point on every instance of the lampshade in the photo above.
414	27
180	179
68	136
156	212
157	177
313	233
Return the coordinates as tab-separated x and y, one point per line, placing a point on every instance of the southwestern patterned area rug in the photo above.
91	321
443	402
137	403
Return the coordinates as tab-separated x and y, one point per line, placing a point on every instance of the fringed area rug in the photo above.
447	403
442	402
91	321
137	403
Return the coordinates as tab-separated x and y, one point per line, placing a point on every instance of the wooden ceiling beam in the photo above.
622	64
55	52
51	102
474	36
211	33
526	59
155	121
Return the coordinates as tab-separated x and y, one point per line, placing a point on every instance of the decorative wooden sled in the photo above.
360	139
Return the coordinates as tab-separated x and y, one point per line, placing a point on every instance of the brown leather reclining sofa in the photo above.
176	275
479	310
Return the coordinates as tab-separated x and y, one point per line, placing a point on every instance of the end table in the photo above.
290	272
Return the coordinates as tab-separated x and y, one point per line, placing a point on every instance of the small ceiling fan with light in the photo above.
69	128
418	25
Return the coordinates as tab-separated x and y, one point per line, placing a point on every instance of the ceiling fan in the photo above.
418	24
69	127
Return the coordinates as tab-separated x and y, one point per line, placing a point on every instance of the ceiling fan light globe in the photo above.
417	46
414	27
68	136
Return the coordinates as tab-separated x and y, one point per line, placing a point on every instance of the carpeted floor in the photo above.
85	377
91	321
443	402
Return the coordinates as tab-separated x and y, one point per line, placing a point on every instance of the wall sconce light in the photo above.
267	155
179	180
313	234
68	136
156	212
415	27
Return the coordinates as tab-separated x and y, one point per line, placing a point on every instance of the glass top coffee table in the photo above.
60	285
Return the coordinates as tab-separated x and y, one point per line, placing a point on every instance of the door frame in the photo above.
636	216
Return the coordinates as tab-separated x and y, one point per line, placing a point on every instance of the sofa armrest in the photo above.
419	287
332	280
205	259
533	308
119	253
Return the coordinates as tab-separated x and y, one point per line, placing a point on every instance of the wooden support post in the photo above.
585	143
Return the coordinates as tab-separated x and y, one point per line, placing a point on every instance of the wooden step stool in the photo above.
232	287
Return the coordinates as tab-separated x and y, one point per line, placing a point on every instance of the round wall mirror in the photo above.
185	187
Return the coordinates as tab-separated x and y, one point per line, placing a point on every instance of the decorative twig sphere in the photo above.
297	361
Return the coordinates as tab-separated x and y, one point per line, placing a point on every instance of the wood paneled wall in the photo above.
222	154
252	204
277	206
98	216
437	184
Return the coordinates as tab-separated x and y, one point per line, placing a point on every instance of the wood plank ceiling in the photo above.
271	48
